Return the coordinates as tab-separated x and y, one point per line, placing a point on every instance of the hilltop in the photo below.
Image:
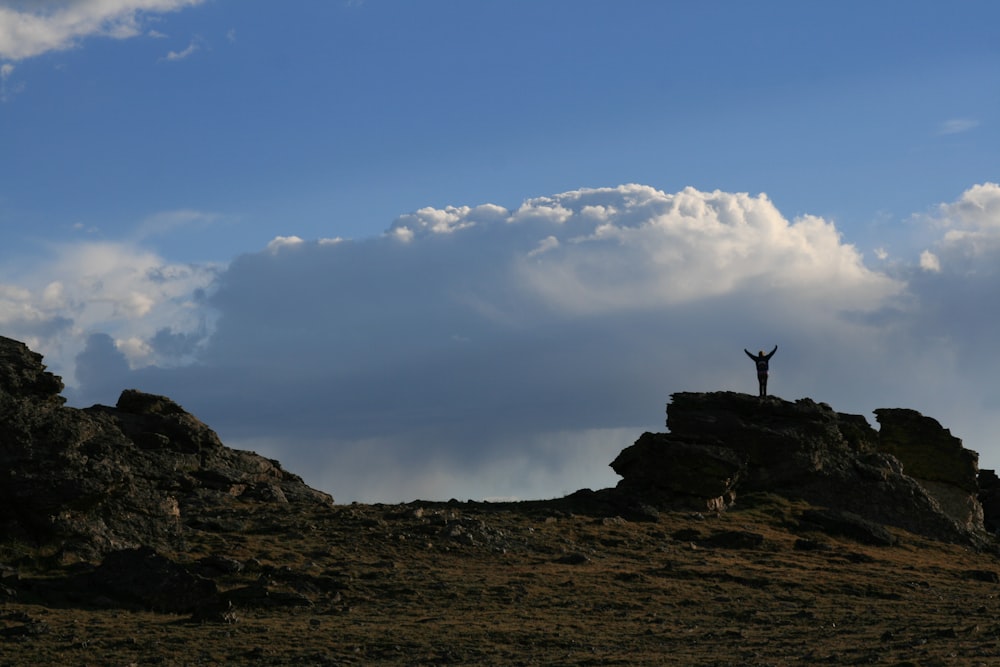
753	532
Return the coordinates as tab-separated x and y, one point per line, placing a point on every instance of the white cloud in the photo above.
635	247
548	243
514	352
431	220
27	31
972	228
278	243
6	89
929	261
114	288
174	56
459	355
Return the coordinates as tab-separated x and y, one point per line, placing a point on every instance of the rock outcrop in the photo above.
935	458
86	482
912	474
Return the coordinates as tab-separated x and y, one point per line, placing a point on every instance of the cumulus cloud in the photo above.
929	261
31	29
450	354
954	313
634	247
972	225
492	352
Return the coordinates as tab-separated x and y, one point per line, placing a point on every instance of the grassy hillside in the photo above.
534	583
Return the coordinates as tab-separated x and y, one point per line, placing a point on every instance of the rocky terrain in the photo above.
754	532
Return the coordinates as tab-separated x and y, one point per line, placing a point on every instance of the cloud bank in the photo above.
482	351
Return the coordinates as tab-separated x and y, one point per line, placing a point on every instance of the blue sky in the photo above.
468	249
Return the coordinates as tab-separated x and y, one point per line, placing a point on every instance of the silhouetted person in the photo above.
761	360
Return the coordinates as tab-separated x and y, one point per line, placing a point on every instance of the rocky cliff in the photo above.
91	481
912	473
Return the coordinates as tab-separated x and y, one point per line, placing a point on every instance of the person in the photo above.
762	360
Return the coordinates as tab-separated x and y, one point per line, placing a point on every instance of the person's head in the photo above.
761	353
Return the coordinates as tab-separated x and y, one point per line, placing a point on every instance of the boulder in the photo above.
695	475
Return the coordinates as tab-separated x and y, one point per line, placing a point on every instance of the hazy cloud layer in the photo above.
31	28
487	352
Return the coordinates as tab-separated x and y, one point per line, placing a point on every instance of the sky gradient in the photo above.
451	249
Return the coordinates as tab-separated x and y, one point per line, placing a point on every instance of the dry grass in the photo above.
535	584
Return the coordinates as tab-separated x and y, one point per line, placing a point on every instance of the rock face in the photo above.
912	474
92	481
936	459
